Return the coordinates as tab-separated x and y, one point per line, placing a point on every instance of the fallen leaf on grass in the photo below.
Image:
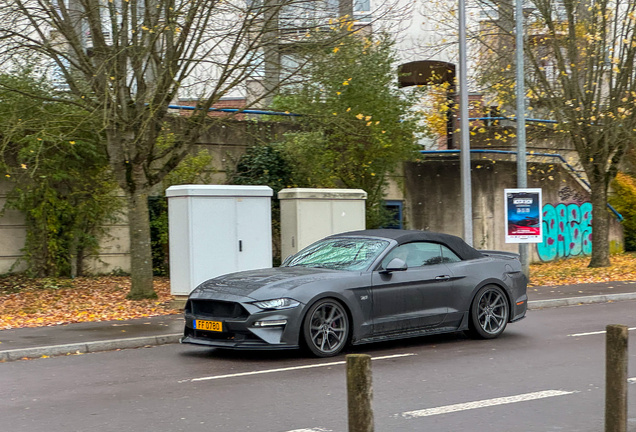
576	271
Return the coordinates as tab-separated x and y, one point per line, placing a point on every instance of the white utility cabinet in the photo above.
307	215
215	230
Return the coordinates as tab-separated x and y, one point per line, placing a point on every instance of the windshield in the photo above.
352	254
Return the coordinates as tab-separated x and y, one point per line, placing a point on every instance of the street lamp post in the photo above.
522	171
464	131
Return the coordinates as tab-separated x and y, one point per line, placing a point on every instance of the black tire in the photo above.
488	313
326	328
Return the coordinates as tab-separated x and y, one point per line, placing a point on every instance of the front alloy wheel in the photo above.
489	313
326	328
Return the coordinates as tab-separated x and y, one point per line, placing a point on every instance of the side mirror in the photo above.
396	264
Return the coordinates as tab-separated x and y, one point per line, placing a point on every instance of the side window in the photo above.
416	254
448	256
430	253
402	252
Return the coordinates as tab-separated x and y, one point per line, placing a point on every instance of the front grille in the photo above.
218	309
228	336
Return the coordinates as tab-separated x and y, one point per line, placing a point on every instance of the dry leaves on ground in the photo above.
26	302
576	271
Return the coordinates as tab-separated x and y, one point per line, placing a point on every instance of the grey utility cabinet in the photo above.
307	215
215	230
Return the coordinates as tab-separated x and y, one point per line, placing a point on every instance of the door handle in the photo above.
443	278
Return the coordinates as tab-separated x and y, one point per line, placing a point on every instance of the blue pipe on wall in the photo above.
619	217
236	110
512	119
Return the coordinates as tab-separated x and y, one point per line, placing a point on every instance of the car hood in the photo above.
264	284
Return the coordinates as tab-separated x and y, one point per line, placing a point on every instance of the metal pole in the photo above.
616	378
359	393
464	128
522	170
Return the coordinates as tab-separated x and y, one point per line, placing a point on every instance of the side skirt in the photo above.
405	335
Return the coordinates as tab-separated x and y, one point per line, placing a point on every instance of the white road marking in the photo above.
595	333
290	368
484	403
631	380
311	430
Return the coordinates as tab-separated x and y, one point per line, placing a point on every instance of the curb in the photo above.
138	342
88	347
574	301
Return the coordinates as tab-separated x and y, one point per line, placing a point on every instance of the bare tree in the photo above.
127	60
580	71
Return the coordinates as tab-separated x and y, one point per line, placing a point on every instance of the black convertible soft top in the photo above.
455	243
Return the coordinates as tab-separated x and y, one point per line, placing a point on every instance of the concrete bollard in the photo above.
616	379
359	393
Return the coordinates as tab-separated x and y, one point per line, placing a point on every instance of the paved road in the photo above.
551	381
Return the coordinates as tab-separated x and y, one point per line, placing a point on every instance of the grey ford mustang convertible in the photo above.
360	287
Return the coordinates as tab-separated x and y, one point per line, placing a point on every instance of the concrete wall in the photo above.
229	141
12	233
114	248
433	193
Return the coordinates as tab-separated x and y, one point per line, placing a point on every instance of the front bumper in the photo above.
238	330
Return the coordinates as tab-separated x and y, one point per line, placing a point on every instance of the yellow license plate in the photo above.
208	325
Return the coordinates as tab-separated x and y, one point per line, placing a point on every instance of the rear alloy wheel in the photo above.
488	313
326	328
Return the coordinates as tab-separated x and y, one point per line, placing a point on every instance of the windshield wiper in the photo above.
309	265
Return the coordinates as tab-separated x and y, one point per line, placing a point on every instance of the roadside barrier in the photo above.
359	393
616	378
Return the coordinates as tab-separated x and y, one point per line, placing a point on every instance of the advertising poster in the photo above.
523	216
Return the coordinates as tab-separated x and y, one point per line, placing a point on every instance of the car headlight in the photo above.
282	303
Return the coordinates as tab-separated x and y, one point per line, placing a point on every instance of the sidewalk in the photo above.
16	344
35	342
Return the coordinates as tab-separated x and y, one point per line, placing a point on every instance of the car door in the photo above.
414	298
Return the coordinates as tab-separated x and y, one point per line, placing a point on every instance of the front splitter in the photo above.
236	345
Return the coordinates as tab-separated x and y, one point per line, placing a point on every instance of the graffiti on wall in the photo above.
568	194
567	231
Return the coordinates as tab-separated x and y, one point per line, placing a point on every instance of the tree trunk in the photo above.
140	247
600	225
80	260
